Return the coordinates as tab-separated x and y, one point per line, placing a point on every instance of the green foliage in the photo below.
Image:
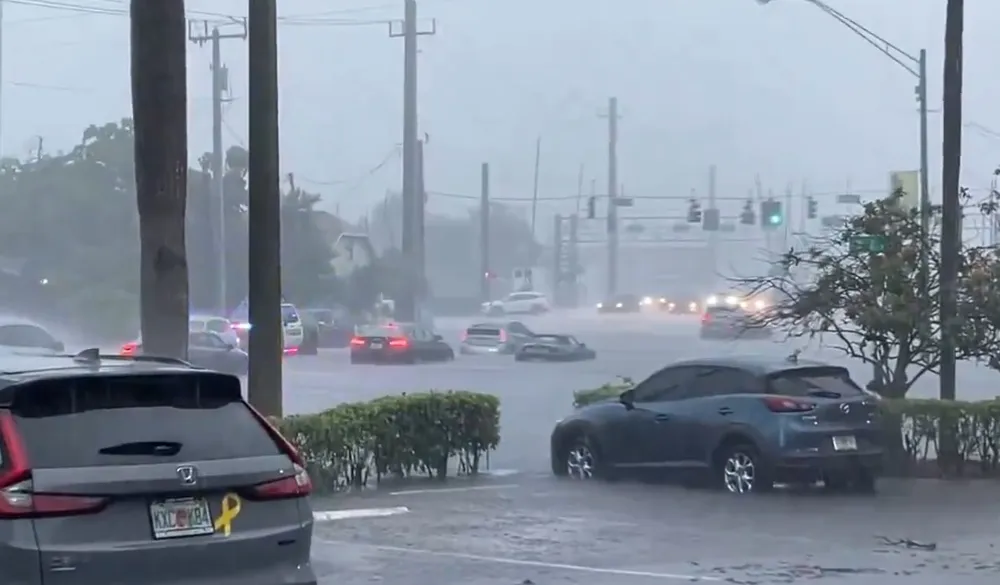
977	430
396	436
874	304
603	393
307	276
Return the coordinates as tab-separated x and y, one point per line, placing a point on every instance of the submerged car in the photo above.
624	303
732	323
552	348
741	424
398	343
495	338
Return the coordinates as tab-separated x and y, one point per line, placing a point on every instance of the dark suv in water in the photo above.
137	469
741	423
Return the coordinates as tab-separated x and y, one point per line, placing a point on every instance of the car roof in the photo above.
19	321
18	367
756	364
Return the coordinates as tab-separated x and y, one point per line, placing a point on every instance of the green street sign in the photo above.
868	243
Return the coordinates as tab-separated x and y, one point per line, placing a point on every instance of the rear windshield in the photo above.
324	315
288	313
554	339
483	331
383	331
814	382
133	420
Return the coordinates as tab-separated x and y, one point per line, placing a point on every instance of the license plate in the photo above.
184	517
847	443
376	346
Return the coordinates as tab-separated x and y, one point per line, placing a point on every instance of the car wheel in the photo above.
581	460
451	355
740	470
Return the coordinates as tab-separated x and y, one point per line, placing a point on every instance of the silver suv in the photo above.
124	469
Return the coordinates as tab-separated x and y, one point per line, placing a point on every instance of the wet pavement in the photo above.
532	528
525	527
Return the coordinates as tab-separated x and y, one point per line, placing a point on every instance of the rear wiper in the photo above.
825	394
156	448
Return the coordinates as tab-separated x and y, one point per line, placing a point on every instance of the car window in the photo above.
553	339
201	339
480	331
323	316
135	420
218	326
834	382
25	335
666	384
518	297
288	313
518	328
723	381
196	325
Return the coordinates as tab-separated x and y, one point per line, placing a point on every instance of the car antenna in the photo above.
793	357
91	355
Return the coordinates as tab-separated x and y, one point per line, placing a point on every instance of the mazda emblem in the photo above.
188	474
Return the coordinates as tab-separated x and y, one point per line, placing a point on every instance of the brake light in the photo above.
399	342
785	404
357	341
465	335
503	336
130	348
241	326
291	350
17	496
705	318
299	484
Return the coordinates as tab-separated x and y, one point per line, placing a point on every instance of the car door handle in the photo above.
661	418
725	410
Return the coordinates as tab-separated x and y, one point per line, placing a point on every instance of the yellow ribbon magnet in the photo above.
230	510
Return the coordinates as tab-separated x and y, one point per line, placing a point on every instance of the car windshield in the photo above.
288	313
817	382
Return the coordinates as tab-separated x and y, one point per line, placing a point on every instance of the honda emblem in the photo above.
188	474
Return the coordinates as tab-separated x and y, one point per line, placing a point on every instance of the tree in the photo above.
159	110
307	275
860	289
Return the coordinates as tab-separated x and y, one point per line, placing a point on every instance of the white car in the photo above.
219	325
519	302
291	324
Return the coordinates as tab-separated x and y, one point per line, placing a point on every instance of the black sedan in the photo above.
554	348
620	304
398	343
206	350
740	424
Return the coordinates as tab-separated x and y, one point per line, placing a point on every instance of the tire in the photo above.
581	459
451	356
310	344
735	464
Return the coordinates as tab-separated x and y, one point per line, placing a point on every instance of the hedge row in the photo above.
916	424
351	445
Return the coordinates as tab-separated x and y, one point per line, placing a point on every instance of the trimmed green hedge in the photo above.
919	421
353	444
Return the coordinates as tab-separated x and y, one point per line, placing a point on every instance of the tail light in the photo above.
705	318
17	496
241	326
465	336
785	404
399	342
130	348
291	350
357	341
503	336
297	486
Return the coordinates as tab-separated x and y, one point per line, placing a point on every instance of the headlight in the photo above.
671	306
619	305
692	307
732	300
647	300
760	304
743	304
712	300
600	305
663	300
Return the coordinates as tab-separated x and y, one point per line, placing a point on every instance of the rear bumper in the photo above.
465	349
381	357
809	467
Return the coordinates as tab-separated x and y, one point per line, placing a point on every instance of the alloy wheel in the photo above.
739	473
580	463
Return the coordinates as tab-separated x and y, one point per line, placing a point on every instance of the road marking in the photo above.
331	515
455	490
526	563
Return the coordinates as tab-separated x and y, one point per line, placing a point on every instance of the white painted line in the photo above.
455	490
499	472
330	515
527	563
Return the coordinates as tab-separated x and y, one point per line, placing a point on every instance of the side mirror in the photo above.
628	399
58	346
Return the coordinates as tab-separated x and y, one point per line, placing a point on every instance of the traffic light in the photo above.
592	208
710	220
771	215
812	208
747	216
694	212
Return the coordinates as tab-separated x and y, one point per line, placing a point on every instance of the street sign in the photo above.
849	198
872	244
624	201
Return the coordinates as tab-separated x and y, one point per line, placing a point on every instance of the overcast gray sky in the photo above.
783	91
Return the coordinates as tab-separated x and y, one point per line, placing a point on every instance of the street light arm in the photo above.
881	44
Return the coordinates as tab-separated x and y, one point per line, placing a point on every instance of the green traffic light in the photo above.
774	219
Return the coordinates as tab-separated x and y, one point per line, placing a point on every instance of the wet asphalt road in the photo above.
522	525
